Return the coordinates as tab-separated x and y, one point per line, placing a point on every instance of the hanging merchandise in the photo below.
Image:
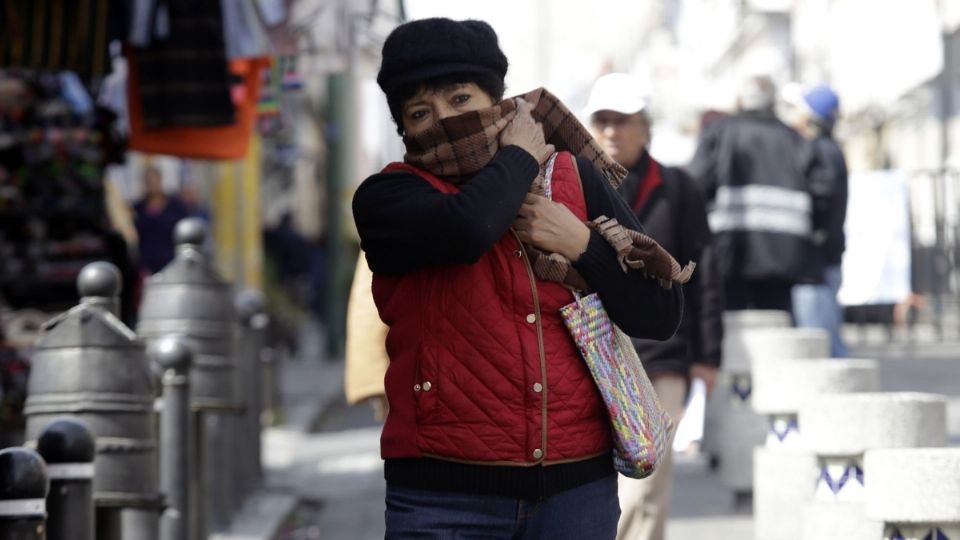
243	33
279	26
59	34
215	142
53	149
272	89
149	20
184	79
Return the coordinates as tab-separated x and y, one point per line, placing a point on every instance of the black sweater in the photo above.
405	224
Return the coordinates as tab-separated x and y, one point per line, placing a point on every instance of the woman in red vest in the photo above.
495	428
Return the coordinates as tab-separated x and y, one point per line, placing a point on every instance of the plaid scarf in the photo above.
461	145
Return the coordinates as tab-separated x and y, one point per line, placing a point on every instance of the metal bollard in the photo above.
269	360
68	447
174	357
251	310
89	365
23	490
189	298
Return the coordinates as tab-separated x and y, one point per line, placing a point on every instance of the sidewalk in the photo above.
324	453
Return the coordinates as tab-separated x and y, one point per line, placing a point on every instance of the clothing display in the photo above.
184	80
59	34
242	31
53	219
211	142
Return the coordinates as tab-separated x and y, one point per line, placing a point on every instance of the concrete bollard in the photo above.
726	408
750	347
754	345
839	429
781	387
785	472
23	492
784	480
849	425
174	357
68	447
915	492
736	321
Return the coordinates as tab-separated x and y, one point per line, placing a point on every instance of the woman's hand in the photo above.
551	227
525	132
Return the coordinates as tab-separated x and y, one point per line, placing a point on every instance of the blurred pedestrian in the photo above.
816	305
192	199
366	354
157	215
495	427
670	207
755	173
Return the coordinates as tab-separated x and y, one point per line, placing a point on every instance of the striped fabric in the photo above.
640	425
763	209
185	80
462	145
56	35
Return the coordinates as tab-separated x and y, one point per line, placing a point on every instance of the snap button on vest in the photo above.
537	387
427	386
531	318
537	454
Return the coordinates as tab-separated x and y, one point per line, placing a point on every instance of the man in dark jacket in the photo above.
816	305
671	208
755	174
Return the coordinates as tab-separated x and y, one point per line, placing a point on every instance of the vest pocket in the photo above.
426	386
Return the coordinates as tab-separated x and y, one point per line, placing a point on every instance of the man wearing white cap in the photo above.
671	209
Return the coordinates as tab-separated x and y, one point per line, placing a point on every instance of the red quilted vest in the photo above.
482	369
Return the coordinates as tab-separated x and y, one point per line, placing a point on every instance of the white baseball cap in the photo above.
618	92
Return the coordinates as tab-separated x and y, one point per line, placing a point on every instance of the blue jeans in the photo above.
588	512
816	306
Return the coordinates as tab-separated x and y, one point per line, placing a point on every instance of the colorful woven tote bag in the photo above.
641	427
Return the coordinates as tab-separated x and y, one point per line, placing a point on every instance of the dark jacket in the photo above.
829	185
755	173
155	231
670	206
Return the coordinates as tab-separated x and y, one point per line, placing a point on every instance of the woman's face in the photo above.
428	107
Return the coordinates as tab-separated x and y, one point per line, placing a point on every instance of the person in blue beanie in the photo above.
816	305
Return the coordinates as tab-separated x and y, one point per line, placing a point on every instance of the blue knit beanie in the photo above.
823	102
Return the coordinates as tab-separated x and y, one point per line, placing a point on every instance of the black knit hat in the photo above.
429	48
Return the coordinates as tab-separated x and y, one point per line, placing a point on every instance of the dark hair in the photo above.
489	82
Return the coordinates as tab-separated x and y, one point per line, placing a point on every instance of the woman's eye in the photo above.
417	115
460	99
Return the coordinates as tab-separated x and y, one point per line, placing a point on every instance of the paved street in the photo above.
328	455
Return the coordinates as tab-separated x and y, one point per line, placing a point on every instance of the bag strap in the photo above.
548	176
